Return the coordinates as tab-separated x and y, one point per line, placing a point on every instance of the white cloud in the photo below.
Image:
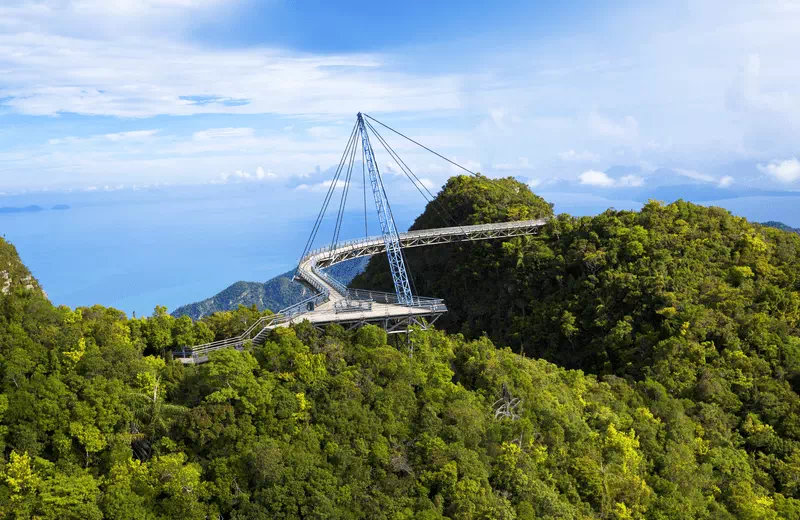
694	175
627	128
748	95
261	174
602	180
723	182
523	163
573	156
474	166
136	135
428	183
323	132
633	181
223	133
713	88
785	171
596	178
322	186
243	176
127	74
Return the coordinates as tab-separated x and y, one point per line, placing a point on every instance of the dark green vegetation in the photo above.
681	299
274	294
683	318
780	225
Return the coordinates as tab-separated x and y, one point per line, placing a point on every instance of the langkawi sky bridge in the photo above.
333	302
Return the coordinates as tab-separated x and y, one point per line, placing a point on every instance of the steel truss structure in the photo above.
333	302
391	241
374	245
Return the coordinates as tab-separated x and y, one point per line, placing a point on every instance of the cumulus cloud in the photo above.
748	95
223	133
428	183
626	128
262	175
723	182
323	132
695	175
785	171
136	72
322	186
131	136
135	135
726	181
523	163
596	178
573	156
238	175
633	181
244	176
603	180
474	166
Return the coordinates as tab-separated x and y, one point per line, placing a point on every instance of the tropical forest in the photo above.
630	365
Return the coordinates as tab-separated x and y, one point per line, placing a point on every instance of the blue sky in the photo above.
570	97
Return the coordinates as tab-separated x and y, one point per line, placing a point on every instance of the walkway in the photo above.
335	303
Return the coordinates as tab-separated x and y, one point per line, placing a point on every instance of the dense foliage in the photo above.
340	425
693	299
684	320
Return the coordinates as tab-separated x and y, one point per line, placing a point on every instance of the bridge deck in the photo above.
357	307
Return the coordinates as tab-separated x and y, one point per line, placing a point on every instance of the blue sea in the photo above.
170	246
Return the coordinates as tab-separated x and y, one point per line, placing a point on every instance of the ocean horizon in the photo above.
133	250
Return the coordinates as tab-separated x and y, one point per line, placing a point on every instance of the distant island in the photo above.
30	209
780	225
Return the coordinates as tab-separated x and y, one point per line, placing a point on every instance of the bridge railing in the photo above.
451	231
322	282
253	330
391	298
336	284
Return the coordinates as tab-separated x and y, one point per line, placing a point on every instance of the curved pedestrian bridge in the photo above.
333	302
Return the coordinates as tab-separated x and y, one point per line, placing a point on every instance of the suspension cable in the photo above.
421	145
506	188
364	184
409	173
328	197
343	201
394	222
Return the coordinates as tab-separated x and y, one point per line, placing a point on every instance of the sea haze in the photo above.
170	246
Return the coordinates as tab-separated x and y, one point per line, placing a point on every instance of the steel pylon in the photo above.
388	228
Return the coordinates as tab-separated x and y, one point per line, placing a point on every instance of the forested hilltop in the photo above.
275	294
683	319
781	225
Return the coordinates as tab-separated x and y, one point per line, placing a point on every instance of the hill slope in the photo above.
687	317
275	294
692	298
781	226
96	423
13	273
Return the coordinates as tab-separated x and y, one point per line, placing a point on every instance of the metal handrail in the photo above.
324	283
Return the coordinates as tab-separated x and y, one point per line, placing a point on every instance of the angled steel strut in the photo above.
391	238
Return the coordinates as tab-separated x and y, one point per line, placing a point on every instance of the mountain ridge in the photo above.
275	294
